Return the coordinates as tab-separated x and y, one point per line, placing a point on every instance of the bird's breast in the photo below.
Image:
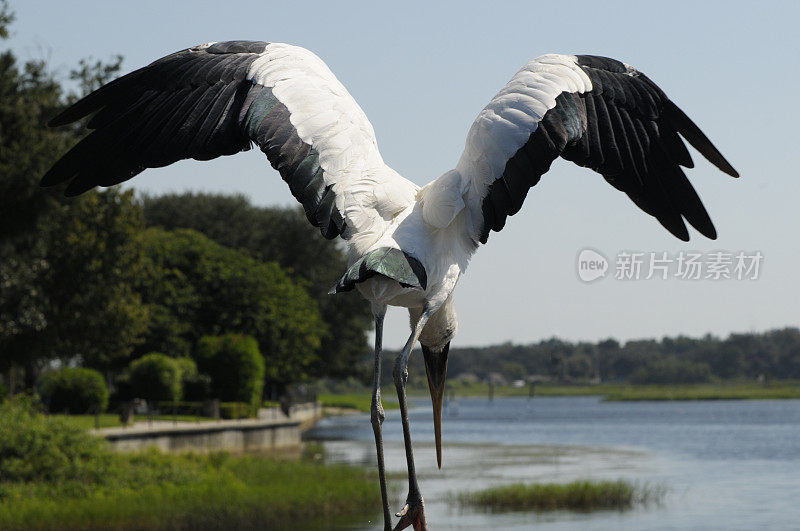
438	250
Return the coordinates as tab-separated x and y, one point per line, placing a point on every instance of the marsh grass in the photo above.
738	391
54	475
585	495
313	451
219	491
158	491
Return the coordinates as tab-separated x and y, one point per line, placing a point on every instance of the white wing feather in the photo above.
499	131
368	192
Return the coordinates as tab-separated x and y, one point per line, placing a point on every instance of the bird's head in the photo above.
436	369
435	341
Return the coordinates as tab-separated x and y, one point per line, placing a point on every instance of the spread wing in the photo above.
217	99
597	112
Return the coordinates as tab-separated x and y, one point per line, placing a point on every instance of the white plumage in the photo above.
407	245
325	116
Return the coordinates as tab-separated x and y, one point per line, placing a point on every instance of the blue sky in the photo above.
422	72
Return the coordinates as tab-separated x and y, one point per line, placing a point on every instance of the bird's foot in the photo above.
412	514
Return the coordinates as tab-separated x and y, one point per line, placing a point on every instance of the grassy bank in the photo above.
359	401
54	475
159	491
578	496
706	392
617	392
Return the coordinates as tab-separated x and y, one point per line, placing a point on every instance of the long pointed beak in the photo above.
436	369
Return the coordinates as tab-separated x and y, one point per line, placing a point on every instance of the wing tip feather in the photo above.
692	133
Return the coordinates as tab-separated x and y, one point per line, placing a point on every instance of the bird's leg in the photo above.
413	513
378	415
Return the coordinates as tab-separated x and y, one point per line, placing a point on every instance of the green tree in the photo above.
786	342
196	287
579	366
282	235
74	391
156	377
54	303
92	309
72	296
28	97
235	365
513	370
671	370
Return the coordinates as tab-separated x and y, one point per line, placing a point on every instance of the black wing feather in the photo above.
687	128
197	103
630	132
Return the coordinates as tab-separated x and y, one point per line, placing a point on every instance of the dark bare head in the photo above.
435	341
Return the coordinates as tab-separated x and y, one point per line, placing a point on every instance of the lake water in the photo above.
724	464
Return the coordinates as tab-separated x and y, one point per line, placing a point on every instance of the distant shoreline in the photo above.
625	392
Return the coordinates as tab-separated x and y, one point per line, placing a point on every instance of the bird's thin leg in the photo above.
413	513
378	415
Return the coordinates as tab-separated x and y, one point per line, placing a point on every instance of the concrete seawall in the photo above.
271	431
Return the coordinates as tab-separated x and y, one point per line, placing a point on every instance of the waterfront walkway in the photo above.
272	430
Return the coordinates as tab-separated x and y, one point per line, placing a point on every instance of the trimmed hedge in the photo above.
74	391
235	365
188	368
156	376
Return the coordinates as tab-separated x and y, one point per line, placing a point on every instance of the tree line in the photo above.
774	354
108	277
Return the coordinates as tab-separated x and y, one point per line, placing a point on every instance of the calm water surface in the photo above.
725	464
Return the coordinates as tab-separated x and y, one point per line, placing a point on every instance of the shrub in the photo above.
34	447
235	410
74	391
123	391
197	388
187	366
235	365
156	376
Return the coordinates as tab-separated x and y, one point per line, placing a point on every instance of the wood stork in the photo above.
407	245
